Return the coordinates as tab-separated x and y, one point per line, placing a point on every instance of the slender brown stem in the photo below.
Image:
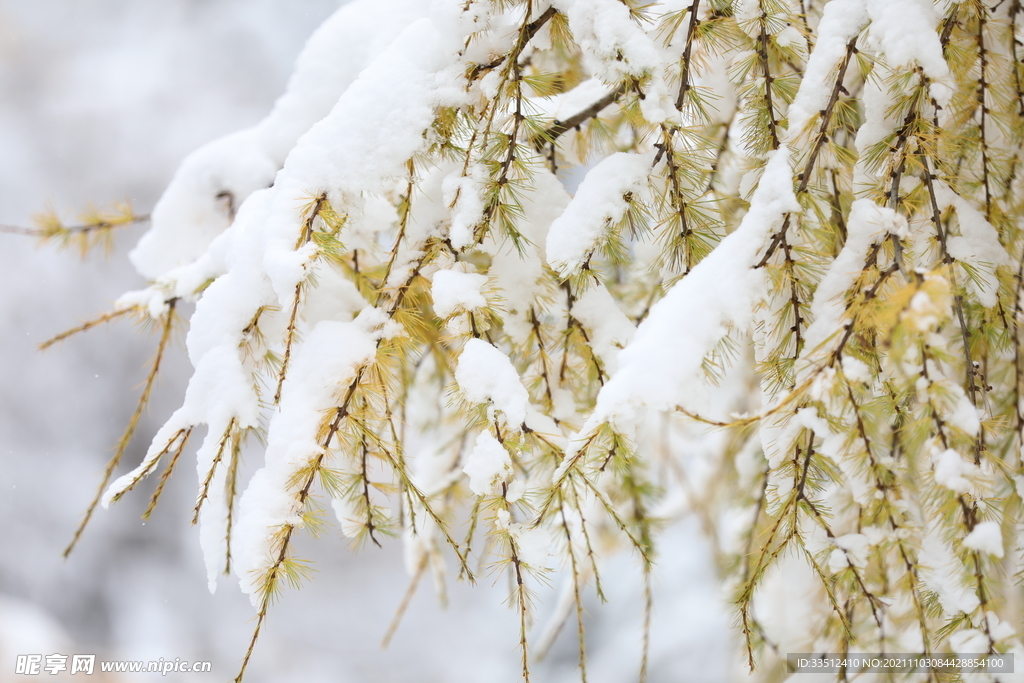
133	422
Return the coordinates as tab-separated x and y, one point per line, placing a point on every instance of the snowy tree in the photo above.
784	298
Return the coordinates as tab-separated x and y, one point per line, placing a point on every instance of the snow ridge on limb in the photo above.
486	375
600	203
905	32
214	181
662	367
841	22
327	362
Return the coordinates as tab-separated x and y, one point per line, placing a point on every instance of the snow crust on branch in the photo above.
662	366
841	22
216	179
329	359
905	31
486	375
599	203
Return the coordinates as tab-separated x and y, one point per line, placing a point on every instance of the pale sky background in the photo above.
99	102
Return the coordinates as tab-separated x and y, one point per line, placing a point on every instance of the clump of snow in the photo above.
598	205
905	32
454	291
965	415
152	300
986	537
533	545
841	21
856	370
790	37
943	574
997	628
969	641
852	550
977	244
488	465
485	374
565	105
953	471
515	491
466	195
613	45
747	10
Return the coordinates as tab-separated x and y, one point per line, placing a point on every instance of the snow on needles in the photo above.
905	31
488	465
276	230
841	21
215	179
940	574
486	375
323	367
454	291
663	366
599	203
986	537
613	45
977	244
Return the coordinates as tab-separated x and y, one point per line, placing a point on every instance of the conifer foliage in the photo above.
794	256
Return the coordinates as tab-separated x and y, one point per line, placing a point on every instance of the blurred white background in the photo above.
99	102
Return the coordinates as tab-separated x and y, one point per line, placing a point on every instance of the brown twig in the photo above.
126	437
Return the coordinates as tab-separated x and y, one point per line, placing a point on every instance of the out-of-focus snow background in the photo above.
99	102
